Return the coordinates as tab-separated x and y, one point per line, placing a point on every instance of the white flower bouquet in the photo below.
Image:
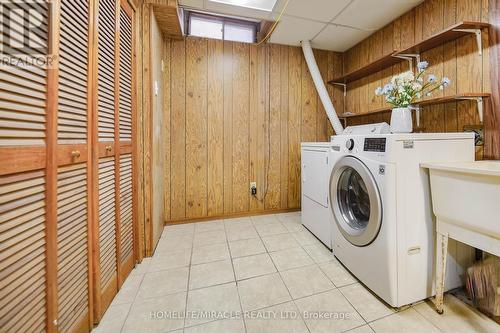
405	88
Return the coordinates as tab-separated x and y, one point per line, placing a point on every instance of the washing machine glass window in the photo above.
355	201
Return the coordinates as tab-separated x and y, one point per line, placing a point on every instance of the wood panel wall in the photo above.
458	60
236	113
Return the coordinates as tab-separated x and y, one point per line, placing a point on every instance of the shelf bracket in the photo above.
409	57
480	105
342	85
478	34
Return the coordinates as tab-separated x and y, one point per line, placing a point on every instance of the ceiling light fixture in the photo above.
265	5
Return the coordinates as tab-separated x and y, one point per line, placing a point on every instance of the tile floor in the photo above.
273	271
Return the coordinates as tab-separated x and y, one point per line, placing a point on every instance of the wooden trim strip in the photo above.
51	171
91	103
21	159
137	253
117	143
94	180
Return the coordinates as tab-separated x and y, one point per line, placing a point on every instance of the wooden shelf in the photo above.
388	60
444	36
427	102
373	67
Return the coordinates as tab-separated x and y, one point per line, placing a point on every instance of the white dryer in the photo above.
315	173
383	229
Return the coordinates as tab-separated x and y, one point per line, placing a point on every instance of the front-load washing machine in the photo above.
383	228
317	160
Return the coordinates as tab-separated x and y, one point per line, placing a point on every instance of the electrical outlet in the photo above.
253	188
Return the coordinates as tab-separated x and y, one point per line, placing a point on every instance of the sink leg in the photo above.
441	254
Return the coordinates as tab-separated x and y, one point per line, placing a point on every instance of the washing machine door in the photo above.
355	201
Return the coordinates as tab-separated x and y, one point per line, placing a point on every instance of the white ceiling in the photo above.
335	25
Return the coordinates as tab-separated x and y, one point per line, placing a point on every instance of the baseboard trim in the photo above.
231	216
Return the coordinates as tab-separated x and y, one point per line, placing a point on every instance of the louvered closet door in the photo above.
125	133
73	294
106	170
23	119
22	252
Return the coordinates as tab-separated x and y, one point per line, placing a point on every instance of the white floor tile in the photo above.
210	274
114	319
164	261
128	291
219	326
161	314
246	247
319	253
279	242
407	321
337	273
251	266
222	299
290	258
209	238
209	253
368	305
235	233
306	281
341	316
282	318
162	283
262	291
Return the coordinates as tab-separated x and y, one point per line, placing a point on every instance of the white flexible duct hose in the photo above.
320	87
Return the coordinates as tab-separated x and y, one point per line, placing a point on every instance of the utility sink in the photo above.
466	197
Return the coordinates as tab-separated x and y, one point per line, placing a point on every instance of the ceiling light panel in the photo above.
266	5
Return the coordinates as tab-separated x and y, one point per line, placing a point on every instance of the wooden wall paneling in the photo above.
51	170
215	128
364	94
272	199
241	130
376	50
259	122
309	105
167	121
147	16
138	129
255	127
321	117
196	127
492	111
178	116
335	66
263	118
156	129
228	127
294	126
284	129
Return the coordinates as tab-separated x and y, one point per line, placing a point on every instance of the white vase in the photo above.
401	120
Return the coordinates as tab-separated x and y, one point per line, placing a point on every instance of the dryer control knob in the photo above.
349	144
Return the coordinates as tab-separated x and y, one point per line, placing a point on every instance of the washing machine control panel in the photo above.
375	144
